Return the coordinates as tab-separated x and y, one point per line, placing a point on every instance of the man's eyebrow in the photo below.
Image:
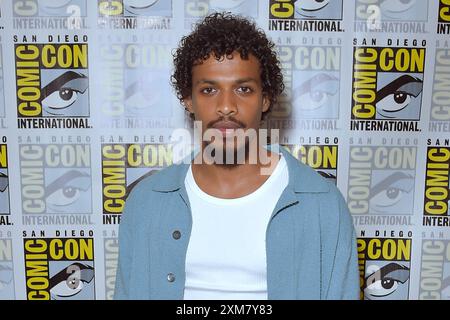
241	80
205	81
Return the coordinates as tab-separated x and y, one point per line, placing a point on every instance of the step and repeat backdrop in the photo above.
86	111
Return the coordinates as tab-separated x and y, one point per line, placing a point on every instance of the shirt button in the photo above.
171	277
176	234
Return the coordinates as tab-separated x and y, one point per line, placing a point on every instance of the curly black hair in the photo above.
221	34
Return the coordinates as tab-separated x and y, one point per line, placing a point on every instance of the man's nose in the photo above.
226	104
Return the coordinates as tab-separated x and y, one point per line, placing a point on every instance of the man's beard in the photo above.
237	155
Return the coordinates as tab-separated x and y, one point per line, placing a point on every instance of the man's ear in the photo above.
265	103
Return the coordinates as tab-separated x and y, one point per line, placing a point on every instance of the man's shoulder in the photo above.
308	179
321	184
157	180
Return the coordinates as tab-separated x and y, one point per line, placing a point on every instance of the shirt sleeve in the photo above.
344	284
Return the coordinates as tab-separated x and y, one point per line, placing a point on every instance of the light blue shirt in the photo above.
310	240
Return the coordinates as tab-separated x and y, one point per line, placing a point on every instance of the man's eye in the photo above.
207	90
244	89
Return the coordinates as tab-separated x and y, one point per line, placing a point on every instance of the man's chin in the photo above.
232	155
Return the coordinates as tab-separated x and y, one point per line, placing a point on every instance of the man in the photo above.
210	229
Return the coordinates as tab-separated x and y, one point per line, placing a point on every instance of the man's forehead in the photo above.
230	78
235	57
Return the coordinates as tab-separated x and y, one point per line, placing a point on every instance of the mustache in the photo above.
228	119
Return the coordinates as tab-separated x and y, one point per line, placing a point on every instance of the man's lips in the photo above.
222	125
226	127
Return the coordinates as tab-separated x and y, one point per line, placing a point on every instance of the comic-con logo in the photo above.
387	88
444	17
435	270
392	16
312	78
305	15
196	9
136	90
55	178
135	14
437	188
111	250
49	14
384	268
52	85
59	268
6	270
125	165
4	180
381	180
440	99
322	158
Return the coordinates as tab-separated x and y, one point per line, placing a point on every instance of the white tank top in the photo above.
226	256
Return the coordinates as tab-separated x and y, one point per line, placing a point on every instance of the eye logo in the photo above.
138	6
382	282
54	3
392	193
3	182
399	99
70	281
317	96
392	10
134	8
61	94
49	8
144	96
318	9
4	193
412	10
310	6
69	193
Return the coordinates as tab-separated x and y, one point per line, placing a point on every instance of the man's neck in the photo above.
233	181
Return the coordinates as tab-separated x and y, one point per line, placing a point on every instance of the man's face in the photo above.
227	95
